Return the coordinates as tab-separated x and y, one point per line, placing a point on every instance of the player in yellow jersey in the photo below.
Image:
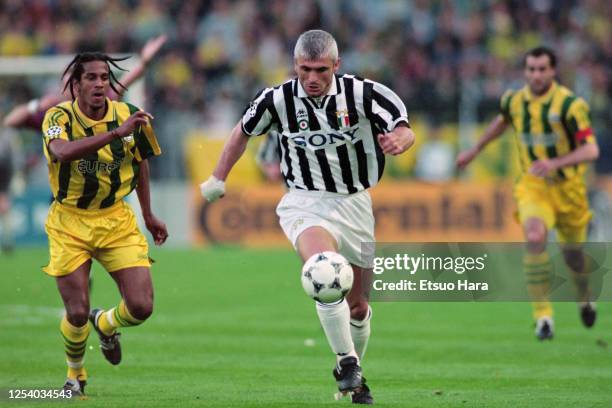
555	142
97	152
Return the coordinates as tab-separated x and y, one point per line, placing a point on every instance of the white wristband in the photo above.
212	189
33	106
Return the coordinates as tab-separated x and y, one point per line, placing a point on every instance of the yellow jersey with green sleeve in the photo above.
548	125
104	177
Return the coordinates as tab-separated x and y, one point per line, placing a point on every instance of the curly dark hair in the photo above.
75	68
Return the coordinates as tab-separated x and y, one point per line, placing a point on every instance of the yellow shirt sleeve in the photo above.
56	125
146	143
504	104
579	122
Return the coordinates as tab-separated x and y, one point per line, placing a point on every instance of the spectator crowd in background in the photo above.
449	60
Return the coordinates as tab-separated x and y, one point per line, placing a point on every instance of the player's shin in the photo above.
579	266
360	333
538	270
75	343
335	320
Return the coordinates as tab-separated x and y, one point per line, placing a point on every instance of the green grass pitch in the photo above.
229	330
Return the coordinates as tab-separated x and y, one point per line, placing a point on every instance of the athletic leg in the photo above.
538	270
334	317
136	305
74	291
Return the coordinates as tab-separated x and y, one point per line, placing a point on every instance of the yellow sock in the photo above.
77	373
116	317
538	270
75	344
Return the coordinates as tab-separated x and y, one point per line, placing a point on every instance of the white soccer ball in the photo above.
327	277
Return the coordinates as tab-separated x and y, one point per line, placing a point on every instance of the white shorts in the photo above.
348	218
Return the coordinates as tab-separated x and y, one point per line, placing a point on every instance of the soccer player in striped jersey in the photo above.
31	114
555	142
97	152
334	131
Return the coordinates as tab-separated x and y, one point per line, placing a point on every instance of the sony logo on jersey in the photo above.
94	166
321	139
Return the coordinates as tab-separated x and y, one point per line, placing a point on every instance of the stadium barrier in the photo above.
405	212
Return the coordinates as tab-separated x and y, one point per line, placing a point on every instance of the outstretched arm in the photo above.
20	114
30	114
155	226
233	150
495	129
148	52
214	187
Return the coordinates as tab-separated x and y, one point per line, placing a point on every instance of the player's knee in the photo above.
77	315
535	233
359	311
574	260
536	237
141	309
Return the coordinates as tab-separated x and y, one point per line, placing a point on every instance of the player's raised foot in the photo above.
588	314
362	395
348	375
75	388
544	328
110	346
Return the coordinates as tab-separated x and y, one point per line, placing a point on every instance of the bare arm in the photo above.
214	188
155	226
148	52
66	151
495	129
398	140
233	150
18	116
23	113
585	153
143	190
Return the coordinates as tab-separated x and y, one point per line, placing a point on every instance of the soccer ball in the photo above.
327	277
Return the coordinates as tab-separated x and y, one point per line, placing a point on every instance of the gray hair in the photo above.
316	44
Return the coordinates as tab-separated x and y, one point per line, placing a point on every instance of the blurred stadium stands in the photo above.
449	60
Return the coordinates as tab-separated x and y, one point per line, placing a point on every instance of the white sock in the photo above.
335	319
360	333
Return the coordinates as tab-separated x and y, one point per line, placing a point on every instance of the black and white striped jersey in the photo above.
328	143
